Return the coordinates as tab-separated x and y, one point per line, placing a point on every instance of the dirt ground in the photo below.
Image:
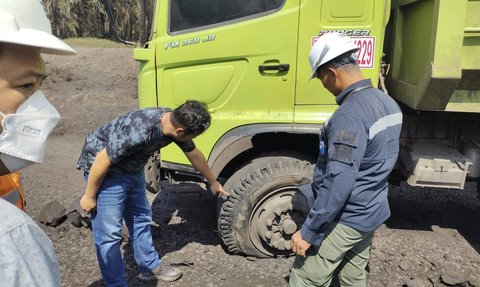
431	239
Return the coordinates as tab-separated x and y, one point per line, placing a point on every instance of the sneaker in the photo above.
163	272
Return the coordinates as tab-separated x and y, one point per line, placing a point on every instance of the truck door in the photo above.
363	20
239	57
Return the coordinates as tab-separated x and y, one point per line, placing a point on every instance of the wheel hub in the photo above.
275	218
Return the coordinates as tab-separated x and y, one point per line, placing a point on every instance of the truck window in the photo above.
191	14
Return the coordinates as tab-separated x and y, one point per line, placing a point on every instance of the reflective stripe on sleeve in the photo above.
383	123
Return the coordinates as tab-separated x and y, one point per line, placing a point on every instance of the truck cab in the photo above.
248	61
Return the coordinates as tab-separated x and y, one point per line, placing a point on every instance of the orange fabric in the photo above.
11	183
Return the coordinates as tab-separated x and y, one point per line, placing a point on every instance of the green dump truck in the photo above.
248	61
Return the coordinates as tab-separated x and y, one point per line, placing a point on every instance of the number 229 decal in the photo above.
366	54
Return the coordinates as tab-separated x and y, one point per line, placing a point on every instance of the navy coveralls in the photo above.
358	149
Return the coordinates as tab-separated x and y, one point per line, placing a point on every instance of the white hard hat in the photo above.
25	22
328	47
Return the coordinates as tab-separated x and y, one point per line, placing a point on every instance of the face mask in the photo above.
25	133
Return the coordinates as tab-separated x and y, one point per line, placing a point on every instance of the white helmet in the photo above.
25	22
328	47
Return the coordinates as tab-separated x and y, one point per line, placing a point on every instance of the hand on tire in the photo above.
217	188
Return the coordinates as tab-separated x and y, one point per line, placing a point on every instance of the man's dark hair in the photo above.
346	61
348	58
192	116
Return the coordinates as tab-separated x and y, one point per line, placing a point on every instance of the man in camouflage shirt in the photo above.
113	160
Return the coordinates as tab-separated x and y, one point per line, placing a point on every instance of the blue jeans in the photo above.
123	197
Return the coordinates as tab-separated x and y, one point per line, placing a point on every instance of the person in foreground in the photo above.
27	257
358	149
113	160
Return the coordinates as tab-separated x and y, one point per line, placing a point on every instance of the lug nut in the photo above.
289	226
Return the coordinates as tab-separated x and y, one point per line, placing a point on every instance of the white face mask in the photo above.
25	133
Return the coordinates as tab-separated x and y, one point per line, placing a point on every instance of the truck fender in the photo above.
238	140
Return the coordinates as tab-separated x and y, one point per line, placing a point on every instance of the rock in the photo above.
453	279
474	281
179	259
53	213
77	216
418	282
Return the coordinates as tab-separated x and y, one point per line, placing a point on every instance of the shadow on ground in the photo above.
422	208
183	213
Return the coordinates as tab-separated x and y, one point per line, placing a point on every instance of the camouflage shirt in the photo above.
129	140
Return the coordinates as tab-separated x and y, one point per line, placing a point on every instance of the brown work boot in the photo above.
163	272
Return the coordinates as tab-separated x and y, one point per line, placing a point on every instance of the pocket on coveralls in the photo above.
328	249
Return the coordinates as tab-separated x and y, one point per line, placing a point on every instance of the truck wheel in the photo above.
265	207
152	173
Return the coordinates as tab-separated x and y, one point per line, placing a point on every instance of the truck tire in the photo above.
152	173
265	207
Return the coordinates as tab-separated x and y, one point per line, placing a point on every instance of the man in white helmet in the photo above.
27	257
358	149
